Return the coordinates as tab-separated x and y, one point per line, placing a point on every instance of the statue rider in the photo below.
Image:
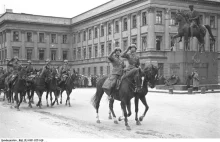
117	71
64	71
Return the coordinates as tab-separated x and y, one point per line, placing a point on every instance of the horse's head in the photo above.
150	74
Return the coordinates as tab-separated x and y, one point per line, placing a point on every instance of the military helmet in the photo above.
65	61
48	60
118	49
29	61
133	45
16	58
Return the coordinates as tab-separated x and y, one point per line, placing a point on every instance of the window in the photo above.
116	27
79	36
83	71
74	38
158	42
41	54
116	43
89	71
108	69
95	71
90	52
3	54
84	36
79	53
53	55
101	70
102	50
201	19
144	43
125	44
96	32
29	37
74	54
96	51
159	17
161	68
53	38
90	34
125	25
212	45
78	70
212	21
16	52
64	39
134	21
172	19
41	37
134	41
65	55
102	31
144	19
29	54
15	36
109	29
84	52
109	48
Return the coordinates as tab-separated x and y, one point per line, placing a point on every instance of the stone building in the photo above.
85	40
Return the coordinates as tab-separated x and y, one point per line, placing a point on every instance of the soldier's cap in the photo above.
65	61
133	45
48	60
118	49
29	61
191	5
16	57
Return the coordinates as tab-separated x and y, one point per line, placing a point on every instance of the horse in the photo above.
125	93
2	83
184	31
52	86
39	83
19	86
68	86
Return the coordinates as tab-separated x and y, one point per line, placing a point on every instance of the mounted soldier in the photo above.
30	68
64	71
47	66
117	71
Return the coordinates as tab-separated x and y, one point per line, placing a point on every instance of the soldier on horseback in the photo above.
117	71
64	71
30	68
46	67
193	19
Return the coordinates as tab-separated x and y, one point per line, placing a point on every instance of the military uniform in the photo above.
133	60
30	68
46	67
15	65
64	71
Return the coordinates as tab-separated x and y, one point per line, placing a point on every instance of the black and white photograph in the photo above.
109	69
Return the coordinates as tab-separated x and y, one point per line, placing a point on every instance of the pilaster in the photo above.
151	29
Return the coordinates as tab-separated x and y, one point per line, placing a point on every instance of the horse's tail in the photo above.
95	100
210	31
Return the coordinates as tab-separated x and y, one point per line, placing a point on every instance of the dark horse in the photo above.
184	31
19	86
52	86
68	86
124	94
2	83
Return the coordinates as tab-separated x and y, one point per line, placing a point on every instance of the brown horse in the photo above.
184	31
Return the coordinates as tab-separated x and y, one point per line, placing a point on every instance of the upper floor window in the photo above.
116	43
96	32
116	27
125	24
29	54
101	70
64	39
74	54
90	34
109	28
172	19
15	36
41	54
158	42
212	21
102	30
96	51
134	40
41	37
74	38
90	52
84	52
79	52
53	38
79	37
102	50
65	55
125	44
159	17
144	19
29	37
84	36
109	48
144	43
53	55
134	21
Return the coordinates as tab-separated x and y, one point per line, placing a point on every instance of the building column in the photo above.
99	45
93	52
8	40
167	32
129	29
207	38
151	29
59	48
113	40
35	35
105	35
23	45
87	47
47	54
120	32
218	33
138	31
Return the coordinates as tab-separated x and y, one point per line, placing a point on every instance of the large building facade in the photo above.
87	39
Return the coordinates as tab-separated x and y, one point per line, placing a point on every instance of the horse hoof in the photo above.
129	114
69	105
60	102
98	121
128	128
18	109
110	117
30	106
141	118
138	123
119	119
47	105
116	122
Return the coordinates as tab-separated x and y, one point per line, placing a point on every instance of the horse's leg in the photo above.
47	98
56	97
25	101
143	100
32	96
136	102
51	98
29	98
68	96
109	114
129	108
22	94
61	96
111	102
123	106
39	98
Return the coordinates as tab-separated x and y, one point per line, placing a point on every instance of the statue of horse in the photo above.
125	93
184	31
